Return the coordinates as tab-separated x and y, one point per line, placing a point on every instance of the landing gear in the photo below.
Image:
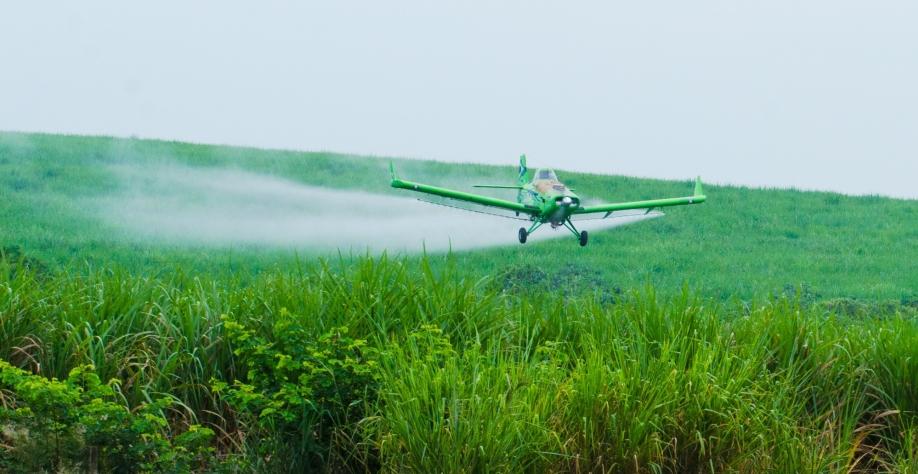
523	233
581	237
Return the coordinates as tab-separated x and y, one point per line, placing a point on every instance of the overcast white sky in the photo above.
819	94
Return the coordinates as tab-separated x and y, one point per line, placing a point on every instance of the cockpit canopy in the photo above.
546	174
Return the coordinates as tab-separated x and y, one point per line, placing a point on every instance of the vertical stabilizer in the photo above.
521	180
522	175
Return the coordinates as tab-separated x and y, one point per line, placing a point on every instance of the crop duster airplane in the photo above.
545	200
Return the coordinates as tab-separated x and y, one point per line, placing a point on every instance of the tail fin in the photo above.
521	180
522	177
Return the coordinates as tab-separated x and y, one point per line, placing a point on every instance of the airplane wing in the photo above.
697	198
496	186
649	213
460	195
476	208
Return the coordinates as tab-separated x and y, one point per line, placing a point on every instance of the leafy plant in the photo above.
53	425
298	389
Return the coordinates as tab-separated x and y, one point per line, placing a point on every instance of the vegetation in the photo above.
394	365
838	246
80	422
768	330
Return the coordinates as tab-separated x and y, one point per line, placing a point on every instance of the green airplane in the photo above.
545	200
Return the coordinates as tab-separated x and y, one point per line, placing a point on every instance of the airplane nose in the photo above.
566	200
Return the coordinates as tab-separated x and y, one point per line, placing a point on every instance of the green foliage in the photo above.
473	409
743	242
793	348
298	388
15	258
78	423
436	371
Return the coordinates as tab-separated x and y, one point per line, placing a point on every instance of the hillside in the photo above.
743	242
168	307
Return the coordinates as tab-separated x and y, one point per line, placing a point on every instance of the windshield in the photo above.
546	174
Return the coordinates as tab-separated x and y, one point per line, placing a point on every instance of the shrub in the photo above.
297	389
54	425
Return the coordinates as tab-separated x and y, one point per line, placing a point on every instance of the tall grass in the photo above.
470	378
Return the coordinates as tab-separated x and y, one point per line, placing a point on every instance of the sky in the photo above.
821	94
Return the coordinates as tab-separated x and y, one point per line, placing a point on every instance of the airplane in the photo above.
546	200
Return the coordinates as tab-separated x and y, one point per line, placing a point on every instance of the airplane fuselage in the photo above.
556	201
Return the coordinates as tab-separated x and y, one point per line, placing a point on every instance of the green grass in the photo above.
448	373
743	242
766	330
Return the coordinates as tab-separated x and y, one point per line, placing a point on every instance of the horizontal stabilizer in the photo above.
496	186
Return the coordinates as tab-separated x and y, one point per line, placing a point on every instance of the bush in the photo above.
298	390
77	424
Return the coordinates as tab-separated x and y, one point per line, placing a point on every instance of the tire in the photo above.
522	235
583	238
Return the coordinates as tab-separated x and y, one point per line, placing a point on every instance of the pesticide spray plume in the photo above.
227	207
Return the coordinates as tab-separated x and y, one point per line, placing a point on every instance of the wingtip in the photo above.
699	195
392	174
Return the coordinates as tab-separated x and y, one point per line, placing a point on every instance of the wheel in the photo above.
523	234
583	238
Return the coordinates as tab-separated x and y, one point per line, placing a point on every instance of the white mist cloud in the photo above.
223	207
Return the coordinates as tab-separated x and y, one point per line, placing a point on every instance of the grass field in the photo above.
392	366
766	330
835	245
